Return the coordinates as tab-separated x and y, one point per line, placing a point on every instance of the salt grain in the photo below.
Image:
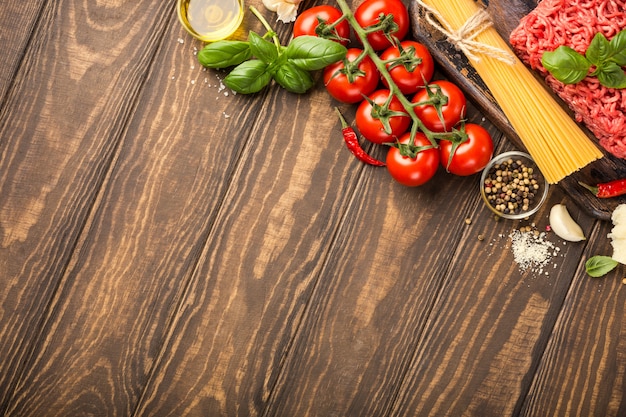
531	251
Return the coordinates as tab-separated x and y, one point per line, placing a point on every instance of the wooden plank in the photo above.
60	131
228	364
133	262
492	321
262	261
17	20
374	297
582	371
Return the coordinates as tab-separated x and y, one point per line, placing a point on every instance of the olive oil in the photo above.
210	20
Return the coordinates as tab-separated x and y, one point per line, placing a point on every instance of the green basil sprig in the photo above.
608	58
258	61
600	265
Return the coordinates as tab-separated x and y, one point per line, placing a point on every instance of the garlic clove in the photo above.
563	225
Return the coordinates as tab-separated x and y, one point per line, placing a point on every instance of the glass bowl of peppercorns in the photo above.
512	185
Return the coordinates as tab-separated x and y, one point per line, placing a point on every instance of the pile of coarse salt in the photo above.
531	251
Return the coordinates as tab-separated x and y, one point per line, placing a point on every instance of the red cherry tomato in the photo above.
414	70
413	172
471	156
368	13
308	23
337	81
453	111
372	128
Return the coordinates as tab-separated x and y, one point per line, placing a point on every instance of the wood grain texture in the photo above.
61	127
374	298
479	349
254	279
17	20
169	248
583	369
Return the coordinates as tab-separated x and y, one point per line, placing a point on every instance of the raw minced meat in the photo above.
574	23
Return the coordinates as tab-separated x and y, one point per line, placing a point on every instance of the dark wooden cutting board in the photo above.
506	15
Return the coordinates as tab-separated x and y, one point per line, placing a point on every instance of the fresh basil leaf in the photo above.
222	54
611	75
566	65
248	77
618	43
293	79
312	53
263	49
599	50
599	265
277	63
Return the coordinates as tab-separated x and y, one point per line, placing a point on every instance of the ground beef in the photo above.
574	23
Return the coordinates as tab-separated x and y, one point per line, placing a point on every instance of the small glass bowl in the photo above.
495	196
223	18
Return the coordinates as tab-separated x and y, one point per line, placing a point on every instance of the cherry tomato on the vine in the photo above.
308	23
470	156
413	172
371	126
452	111
412	69
365	77
368	13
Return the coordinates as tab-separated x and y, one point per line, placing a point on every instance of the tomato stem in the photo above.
361	33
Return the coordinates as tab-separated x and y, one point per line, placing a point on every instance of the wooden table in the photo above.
168	248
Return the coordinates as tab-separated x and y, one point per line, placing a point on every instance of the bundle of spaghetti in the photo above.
554	140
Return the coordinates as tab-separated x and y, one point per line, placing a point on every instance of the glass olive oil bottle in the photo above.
210	20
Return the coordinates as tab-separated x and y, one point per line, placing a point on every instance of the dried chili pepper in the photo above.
607	189
352	142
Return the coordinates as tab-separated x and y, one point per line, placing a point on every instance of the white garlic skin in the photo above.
563	225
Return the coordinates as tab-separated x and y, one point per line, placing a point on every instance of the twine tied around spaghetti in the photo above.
464	37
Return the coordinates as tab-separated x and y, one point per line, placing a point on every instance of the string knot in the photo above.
464	38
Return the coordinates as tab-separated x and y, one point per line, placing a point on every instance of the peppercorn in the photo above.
510	186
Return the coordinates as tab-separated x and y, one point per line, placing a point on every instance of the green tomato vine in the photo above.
261	59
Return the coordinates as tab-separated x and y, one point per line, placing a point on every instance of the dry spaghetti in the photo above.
550	135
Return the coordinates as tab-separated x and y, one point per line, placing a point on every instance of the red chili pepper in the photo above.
607	189
352	141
